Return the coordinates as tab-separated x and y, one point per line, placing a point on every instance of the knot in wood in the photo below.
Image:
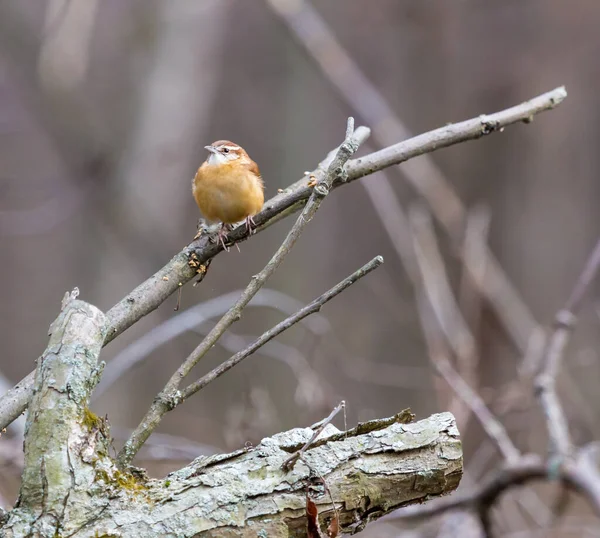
488	125
170	401
341	174
349	146
321	189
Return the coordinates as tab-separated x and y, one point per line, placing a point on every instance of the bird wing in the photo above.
253	167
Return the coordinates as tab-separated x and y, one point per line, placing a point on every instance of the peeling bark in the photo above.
62	437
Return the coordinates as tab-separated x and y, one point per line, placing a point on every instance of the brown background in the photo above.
105	108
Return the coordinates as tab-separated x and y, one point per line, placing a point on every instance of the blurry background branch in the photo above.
564	464
482	273
192	318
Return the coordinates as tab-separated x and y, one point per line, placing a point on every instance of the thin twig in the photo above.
545	382
184	266
309	309
171	396
289	463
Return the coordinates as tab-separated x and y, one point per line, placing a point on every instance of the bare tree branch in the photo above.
185	265
150	294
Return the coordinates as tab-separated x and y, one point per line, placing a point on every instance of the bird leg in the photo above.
250	225
222	236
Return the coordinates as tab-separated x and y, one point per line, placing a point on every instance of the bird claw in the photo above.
250	225
222	235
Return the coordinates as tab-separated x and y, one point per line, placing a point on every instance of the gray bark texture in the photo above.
72	487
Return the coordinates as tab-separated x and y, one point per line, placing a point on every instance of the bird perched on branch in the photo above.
228	187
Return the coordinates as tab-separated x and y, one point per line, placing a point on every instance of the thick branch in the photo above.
60	430
154	291
247	494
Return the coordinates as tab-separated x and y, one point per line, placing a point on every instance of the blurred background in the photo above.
104	111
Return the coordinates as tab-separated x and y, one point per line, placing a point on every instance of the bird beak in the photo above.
212	149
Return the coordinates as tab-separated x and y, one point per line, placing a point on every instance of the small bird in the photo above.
228	187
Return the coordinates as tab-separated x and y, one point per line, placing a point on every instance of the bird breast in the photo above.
227	192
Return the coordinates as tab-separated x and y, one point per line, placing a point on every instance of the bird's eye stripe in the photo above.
230	148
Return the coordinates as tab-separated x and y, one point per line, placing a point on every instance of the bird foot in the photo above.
222	236
250	225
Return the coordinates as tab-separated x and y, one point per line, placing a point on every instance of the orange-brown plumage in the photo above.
228	187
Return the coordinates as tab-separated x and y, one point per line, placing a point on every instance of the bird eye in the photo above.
225	150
